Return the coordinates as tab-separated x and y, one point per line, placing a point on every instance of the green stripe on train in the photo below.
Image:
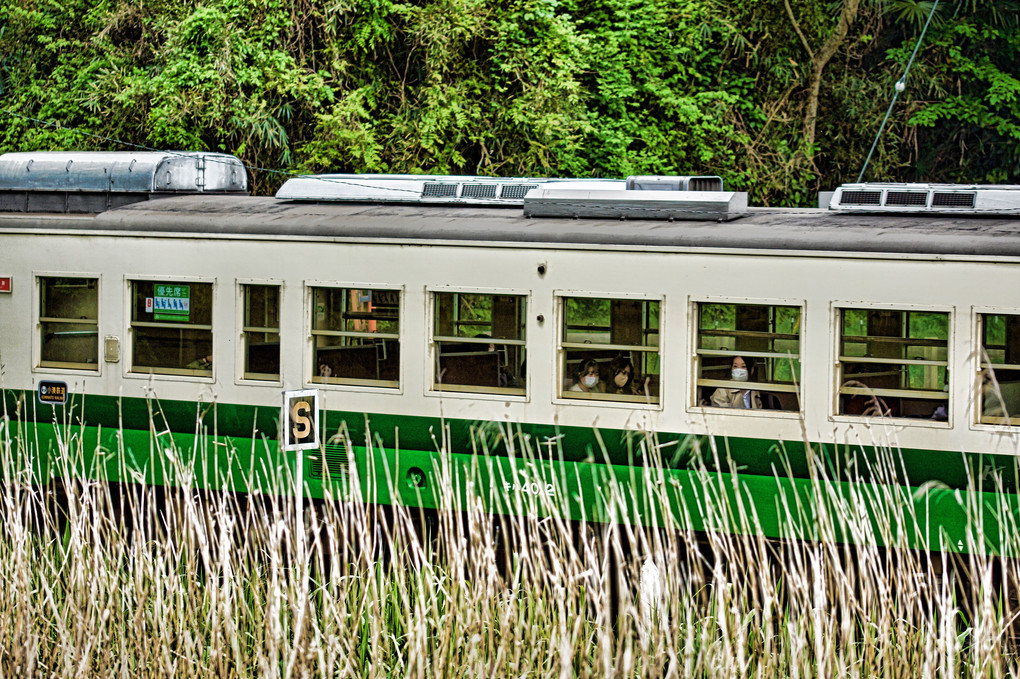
570	480
914	467
933	519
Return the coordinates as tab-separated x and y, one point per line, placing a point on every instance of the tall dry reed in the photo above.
182	583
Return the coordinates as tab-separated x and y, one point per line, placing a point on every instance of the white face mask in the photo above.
589	381
739	374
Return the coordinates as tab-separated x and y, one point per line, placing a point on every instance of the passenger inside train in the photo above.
748	356
616	340
741	370
587	379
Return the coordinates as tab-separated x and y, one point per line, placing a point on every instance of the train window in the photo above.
356	336
171	328
479	342
894	363
748	356
69	322
260	332
610	349
999	394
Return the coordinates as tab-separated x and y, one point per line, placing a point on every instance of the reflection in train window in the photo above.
356	336
171	328
999	392
69	322
260	333
893	363
748	356
610	349
479	343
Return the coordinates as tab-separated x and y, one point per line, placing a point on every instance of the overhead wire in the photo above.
900	85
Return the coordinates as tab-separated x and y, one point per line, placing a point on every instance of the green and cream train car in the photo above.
544	337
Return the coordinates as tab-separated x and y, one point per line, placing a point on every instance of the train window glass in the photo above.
748	356
171	328
479	342
610	349
894	363
260	333
356	336
69	322
999	393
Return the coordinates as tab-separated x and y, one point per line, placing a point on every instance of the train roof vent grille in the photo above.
953	199
674	183
915	198
516	191
861	198
438	190
706	184
478	190
972	199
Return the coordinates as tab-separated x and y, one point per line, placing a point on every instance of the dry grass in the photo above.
135	584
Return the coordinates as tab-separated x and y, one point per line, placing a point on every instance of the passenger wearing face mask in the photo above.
740	371
622	371
587	378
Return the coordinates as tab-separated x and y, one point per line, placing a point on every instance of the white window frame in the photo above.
36	345
976	368
467	392
693	327
128	359
836	335
559	301
308	367
239	372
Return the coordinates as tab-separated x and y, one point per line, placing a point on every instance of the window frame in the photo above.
37	298
977	367
796	387
431	353
128	356
605	400
836	307
240	374
308	368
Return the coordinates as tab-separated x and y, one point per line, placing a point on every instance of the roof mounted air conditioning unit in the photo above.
554	201
989	200
421	189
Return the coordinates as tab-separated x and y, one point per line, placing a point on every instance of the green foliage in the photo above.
525	87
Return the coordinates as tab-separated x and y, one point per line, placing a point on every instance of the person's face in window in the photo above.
622	376
739	371
590	376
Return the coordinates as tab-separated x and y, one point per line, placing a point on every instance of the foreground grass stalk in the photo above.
139	582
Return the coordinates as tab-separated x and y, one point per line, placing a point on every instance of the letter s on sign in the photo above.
302	425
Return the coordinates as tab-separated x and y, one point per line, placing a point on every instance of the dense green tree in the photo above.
780	98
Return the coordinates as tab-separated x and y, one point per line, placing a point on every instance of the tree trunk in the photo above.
819	60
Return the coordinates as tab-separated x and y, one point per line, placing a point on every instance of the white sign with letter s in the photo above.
300	419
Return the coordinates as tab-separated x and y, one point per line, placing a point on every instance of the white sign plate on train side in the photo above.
300	419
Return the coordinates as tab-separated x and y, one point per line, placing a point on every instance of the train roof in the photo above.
772	229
